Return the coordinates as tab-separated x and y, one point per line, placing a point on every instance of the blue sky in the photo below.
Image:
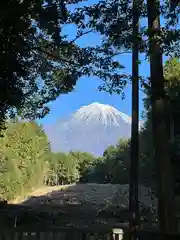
86	90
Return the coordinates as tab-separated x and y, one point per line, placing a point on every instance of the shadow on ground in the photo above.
78	205
83	200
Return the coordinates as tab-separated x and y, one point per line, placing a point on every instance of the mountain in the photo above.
91	129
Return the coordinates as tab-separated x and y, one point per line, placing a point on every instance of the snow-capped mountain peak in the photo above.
91	128
107	114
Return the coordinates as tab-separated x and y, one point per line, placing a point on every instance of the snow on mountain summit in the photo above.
102	112
91	128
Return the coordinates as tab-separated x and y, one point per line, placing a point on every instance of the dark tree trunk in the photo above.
160	131
134	163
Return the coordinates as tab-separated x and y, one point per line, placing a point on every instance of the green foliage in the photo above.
26	161
172	87
113	167
23	150
172	75
69	168
38	62
85	163
113	20
63	170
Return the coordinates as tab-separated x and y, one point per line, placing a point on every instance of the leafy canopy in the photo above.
38	62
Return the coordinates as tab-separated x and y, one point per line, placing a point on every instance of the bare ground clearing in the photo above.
80	204
90	193
83	197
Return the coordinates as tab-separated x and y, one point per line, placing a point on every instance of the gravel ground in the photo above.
97	195
80	204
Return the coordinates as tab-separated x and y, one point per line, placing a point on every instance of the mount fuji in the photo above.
92	129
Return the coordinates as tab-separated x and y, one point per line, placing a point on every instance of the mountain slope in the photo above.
92	129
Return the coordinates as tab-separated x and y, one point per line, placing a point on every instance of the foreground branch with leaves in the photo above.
38	62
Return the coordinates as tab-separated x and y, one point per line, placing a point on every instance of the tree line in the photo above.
114	166
28	162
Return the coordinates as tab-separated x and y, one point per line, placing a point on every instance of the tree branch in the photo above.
81	35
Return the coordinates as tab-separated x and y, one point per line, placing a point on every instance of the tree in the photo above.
134	160
23	150
160	134
173	4
63	169
114	20
172	77
113	167
172	86
38	62
98	171
85	162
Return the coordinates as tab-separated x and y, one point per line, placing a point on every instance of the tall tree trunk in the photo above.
160	132
134	163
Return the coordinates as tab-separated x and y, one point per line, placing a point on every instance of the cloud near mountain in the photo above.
92	129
